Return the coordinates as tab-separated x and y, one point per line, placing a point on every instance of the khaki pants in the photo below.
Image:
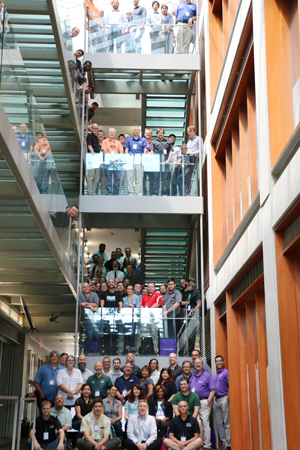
222	416
205	410
103	180
183	34
92	181
137	174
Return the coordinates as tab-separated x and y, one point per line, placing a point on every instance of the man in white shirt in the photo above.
115	21
115	273
69	382
173	162
141	430
194	143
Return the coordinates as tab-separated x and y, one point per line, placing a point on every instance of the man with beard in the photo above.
86	373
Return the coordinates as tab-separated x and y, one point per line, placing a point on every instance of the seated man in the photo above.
141	430
95	427
46	430
63	415
184	431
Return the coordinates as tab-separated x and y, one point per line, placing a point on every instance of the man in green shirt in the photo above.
64	416
99	382
191	398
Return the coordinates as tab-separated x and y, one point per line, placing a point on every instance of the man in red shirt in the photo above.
153	299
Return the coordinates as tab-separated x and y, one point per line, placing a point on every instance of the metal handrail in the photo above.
27	399
16	400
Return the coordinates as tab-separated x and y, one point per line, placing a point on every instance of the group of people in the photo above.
174	399
109	31
37	152
118	283
140	165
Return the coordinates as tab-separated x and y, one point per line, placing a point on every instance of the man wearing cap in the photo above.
203	384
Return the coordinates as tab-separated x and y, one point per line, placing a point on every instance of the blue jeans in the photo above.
91	335
51	446
136	36
42	177
110	189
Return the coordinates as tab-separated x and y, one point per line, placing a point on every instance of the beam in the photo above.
128	61
41	291
31	277
36	263
147	87
51	299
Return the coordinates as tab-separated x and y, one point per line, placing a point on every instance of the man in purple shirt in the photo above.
221	405
203	384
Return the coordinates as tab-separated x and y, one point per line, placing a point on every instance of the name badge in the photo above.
165	151
188	425
187	13
23	143
183	438
51	382
97	394
44	151
96	427
193	390
134	146
124	391
46	436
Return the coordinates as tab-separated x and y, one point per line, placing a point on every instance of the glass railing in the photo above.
22	112
144	331
147	174
160	37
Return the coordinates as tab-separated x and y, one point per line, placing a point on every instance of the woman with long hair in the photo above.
165	380
161	410
147	383
83	406
136	394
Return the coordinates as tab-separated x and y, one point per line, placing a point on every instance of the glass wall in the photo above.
140	174
110	331
124	28
31	140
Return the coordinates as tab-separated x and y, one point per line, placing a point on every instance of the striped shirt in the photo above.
70	382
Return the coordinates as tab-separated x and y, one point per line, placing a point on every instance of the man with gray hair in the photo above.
111	146
136	146
45	379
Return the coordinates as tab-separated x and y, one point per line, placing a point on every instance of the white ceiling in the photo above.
113	238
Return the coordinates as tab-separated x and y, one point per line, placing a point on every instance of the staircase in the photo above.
165	255
167	112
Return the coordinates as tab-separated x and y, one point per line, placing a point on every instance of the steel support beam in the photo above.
147	87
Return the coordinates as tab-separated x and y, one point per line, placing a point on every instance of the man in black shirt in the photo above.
109	264
163	148
112	330
92	162
45	431
184	431
136	370
111	298
184	292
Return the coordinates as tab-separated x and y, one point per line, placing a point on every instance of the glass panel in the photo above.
31	140
127	30
147	174
144	331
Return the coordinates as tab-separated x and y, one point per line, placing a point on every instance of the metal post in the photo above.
15	399
201	215
69	238
82	255
22	399
78	284
182	169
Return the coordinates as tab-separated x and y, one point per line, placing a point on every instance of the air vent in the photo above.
222	307
291	232
248	280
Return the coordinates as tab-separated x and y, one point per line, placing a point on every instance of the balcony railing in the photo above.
144	174
111	331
